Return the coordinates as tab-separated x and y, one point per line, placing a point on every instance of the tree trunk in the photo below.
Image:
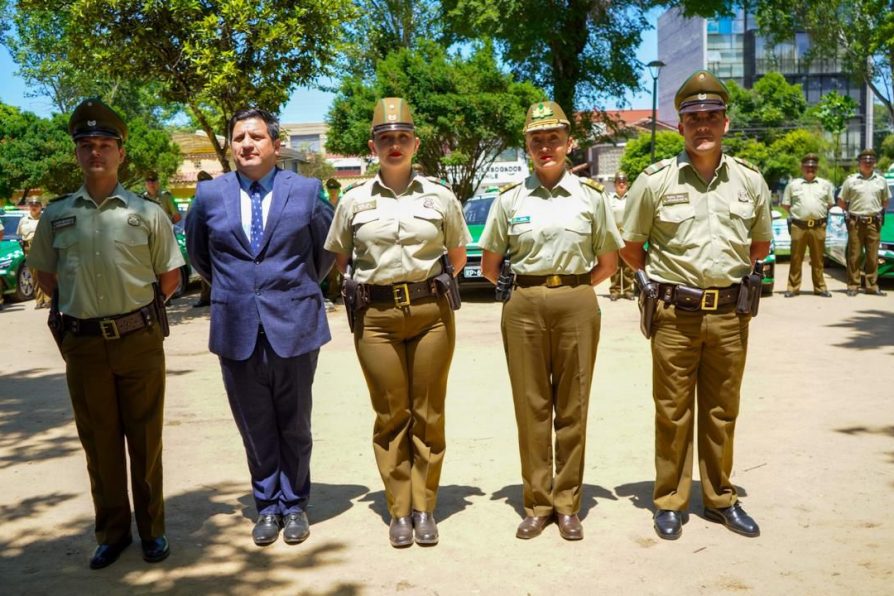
220	150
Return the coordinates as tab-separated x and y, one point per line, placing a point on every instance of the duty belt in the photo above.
864	219
110	327
401	294
809	223
697	299
552	281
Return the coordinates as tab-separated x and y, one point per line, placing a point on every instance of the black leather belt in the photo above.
809	223
552	281
696	299
401	294
110	327
864	219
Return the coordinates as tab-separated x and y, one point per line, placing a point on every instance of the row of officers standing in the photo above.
263	239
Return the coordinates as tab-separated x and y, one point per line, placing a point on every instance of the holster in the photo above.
647	301
356	300
54	321
505	282
446	283
161	310
788	223
749	297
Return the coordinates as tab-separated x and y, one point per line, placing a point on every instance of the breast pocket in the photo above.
741	218
66	244
676	223
428	223
132	243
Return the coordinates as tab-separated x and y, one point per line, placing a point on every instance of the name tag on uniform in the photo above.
675	199
358	207
521	219
64	222
743	197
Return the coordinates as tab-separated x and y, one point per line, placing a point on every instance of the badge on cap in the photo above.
91	122
542	111
133	219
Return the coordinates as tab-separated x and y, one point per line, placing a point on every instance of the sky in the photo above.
307	104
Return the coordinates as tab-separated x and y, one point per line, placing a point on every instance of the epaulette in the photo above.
59	198
747	164
351	187
592	184
658	166
146	197
508	187
438	181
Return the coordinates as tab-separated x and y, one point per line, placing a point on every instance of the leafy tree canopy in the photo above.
466	110
764	111
637	153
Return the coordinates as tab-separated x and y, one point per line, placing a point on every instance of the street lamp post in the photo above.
654	67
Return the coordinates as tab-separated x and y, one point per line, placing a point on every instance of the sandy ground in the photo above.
814	465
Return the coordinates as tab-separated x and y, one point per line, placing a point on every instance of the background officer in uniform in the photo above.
560	236
256	235
706	217
103	248
26	229
864	196
622	279
808	199
162	197
394	230
333	280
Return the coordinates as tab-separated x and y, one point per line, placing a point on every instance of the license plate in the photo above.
472	271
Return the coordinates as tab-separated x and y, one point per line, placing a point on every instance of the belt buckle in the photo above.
109	329
397	290
553	281
715	298
810	223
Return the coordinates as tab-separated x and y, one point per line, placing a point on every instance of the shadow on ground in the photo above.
326	501
640	495
33	403
871	329
452	499
590	496
211	553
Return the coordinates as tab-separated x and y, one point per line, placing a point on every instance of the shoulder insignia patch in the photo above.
658	166
747	164
438	181
508	187
59	198
592	184
352	186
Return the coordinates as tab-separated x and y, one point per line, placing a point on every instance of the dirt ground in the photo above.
814	465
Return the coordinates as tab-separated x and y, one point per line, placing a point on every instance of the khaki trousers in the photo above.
622	280
405	355
697	359
862	239
550	336
117	392
814	240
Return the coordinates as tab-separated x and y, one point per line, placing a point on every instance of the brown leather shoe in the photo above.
570	527
401	531
532	526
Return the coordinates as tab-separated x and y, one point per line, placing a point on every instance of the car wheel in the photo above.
767	289
24	284
184	282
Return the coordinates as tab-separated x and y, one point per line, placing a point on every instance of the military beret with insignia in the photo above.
93	118
701	92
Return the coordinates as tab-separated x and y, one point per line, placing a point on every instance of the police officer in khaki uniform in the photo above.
164	198
622	279
102	248
560	237
864	196
706	218
25	231
808	199
333	280
393	230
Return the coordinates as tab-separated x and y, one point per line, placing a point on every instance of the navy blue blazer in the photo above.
279	287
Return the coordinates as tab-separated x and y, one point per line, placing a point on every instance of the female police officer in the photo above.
393	230
552	228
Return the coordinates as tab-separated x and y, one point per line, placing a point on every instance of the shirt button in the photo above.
97	254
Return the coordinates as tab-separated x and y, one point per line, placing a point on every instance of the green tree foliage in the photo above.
766	110
860	33
213	57
466	110
637	156
780	160
316	166
833	112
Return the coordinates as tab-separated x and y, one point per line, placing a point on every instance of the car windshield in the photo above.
476	210
10	225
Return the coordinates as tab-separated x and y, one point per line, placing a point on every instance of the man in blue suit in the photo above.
257	236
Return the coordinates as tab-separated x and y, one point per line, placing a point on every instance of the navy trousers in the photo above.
270	398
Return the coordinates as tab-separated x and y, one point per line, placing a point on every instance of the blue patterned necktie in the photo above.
257	217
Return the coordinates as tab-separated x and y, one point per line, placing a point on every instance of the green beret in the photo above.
810	159
545	115
333	183
867	155
702	92
392	113
93	118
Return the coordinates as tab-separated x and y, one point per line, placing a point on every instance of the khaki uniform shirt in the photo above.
618	204
165	200
105	257
545	232
27	227
809	200
397	238
699	234
864	196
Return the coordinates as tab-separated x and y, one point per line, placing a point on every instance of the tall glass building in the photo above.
732	48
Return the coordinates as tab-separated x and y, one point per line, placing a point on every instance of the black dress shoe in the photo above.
570	527
824	294
790	294
668	524
425	528
400	533
106	554
266	529
295	528
155	550
734	518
